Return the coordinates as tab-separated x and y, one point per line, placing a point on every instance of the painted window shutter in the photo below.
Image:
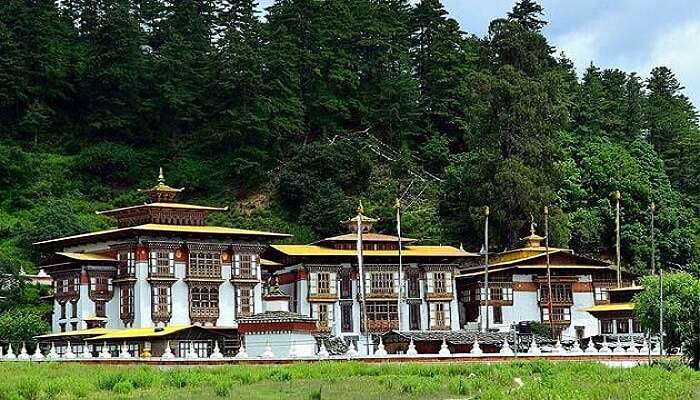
396	283
447	315
93	281
330	314
368	283
313	283
253	265
332	283
171	262
238	300
314	311
153	262
448	282
237	265
430	281
433	311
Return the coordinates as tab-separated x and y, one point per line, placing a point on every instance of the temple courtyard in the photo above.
350	380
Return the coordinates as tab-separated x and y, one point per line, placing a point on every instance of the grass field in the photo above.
349	380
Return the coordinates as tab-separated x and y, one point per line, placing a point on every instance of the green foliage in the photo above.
681	307
292	118
21	325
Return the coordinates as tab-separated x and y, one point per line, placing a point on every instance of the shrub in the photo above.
123	387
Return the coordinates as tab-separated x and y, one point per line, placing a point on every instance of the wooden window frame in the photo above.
161	304
346	317
204	264
607	326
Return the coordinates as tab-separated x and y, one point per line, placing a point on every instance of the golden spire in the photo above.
360	208
397	204
161	178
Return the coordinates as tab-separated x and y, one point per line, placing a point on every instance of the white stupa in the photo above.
124	352
576	348
505	349
558	348
645	347
618	349
411	349
476	348
381	351
534	349
105	353
591	349
86	354
37	356
633	347
323	350
10	355
444	350
241	352
191	353
216	353
168	352
53	354
352	351
604	348
23	355
69	355
268	352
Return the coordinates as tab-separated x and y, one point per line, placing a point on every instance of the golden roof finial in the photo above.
360	208
532	225
397	204
161	178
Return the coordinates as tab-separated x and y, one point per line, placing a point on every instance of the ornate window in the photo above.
322	283
497	315
346	316
381	283
414	316
623	326
345	286
100	309
100	288
63	310
74	309
204	264
204	302
127	264
439	282
161	306
245	301
559	314
162	263
324	314
245	266
606	326
413	284
561	293
637	326
439	315
126	304
382	311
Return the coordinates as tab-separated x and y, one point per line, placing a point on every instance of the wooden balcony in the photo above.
204	314
438	296
382	325
323	297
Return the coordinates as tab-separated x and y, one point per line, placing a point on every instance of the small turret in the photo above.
162	193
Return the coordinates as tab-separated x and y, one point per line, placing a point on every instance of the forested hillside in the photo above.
293	114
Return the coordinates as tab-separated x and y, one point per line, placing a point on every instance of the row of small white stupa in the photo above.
191	353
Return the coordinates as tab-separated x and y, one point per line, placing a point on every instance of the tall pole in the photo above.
486	264
360	271
653	248
549	271
661	311
617	237
400	282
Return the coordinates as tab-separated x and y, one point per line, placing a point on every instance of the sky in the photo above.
632	35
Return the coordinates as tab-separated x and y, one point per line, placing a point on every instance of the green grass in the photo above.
348	380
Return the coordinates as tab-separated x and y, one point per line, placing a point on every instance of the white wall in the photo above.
227	301
304	344
180	297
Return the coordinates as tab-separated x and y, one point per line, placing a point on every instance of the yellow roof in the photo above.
164	205
85	256
203	229
611	307
140	332
81	332
269	263
415	251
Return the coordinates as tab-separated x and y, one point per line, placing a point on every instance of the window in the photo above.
439	279
322	283
501	293
100	309
161	307
100	286
63	310
74	309
204	302
74	326
62	325
606	326
561	293
345	286
245	266
381	282
382	311
439	282
497	315
200	347
324	314
414	316
346	316
600	293
127	263
559	314
637	326
126	303
162	263
413	284
245	301
439	315
205	265
623	326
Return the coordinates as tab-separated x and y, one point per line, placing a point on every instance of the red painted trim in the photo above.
247	327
